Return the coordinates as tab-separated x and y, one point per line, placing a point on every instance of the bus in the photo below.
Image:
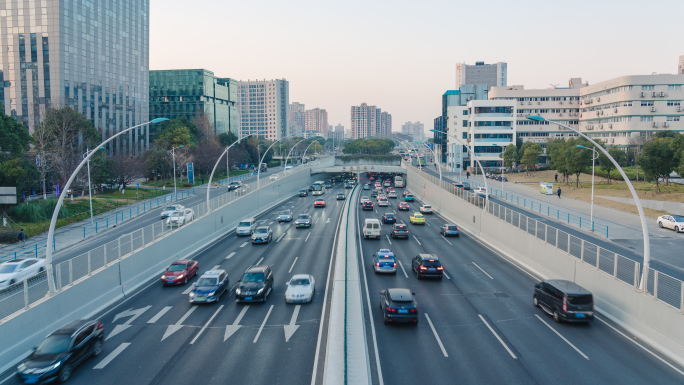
398	181
318	188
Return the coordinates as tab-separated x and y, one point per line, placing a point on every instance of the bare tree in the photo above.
126	168
205	126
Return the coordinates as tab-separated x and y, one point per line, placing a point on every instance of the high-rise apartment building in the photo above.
90	55
680	69
491	75
264	105
414	130
316	120
297	118
370	122
176	93
337	133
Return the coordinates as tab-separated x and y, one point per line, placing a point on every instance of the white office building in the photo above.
264	105
625	110
491	75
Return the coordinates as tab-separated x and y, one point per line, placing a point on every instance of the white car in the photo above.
481	191
364	199
300	288
383	202
179	218
169	209
426	209
273	177
16	270
674	222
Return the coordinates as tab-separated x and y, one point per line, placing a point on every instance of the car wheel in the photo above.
535	301
556	316
660	224
11	282
185	281
43	269
97	348
678	229
64	374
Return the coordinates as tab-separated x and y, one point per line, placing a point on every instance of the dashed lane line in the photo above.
293	263
112	355
402	268
281	237
490	277
445	274
498	338
244	244
447	241
307	237
205	325
388	239
230	255
563	338
439	341
414	237
262	325
259	262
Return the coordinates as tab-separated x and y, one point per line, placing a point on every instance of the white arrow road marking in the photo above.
293	263
281	237
231	329
414	237
402	268
244	244
307	237
206	324
230	255
292	328
112	355
128	313
159	315
179	325
327	220
262	324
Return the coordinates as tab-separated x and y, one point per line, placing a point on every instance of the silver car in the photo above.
169	209
285	216
674	222
262	234
303	220
300	288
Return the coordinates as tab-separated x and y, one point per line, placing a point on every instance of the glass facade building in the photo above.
90	55
176	93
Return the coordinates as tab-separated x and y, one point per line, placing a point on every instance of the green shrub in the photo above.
274	163
187	184
37	211
8	236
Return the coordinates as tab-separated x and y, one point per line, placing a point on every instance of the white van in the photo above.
246	227
371	228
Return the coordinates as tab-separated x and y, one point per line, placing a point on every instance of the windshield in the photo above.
55	344
452	228
385	258
580	299
286	212
400	227
176	214
253	277
302	190
262	231
170	208
177	267
245	224
431	263
678	218
6	269
389	215
204	281
417	215
427	206
299	281
303	217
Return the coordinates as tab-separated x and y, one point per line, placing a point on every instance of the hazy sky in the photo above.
401	55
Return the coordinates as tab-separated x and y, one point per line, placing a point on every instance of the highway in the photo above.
478	325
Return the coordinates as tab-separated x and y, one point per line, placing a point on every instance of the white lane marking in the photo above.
402	268
215	267
293	263
292	207
178	325
262	324
281	237
244	244
205	325
292	327
159	315
436	335
561	336
445	274
188	290
388	240
112	355
447	241
231	329
230	255
259	262
316	221
498	338
640	345
414	237
307	237
490	277
427	223
395	212
11	376
270	223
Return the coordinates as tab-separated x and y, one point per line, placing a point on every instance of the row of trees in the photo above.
369	146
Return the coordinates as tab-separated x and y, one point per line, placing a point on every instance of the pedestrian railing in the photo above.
226	182
32	251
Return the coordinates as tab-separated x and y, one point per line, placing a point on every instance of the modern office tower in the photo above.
384	124
626	110
370	122
316	120
491	75
264	105
92	56
414	130
297	118
560	104
176	93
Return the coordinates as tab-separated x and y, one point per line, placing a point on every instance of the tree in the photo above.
606	165
19	172
577	159
101	171
126	168
555	150
174	137
14	137
226	139
658	159
182	122
510	155
206	155
157	163
531	155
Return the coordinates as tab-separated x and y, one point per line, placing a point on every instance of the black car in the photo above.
368	205
449	230
427	265
400	230
398	305
564	300
255	285
303	193
374	193
340	197
389	218
62	351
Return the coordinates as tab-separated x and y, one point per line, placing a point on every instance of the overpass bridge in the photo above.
360	163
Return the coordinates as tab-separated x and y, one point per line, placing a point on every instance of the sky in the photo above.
401	55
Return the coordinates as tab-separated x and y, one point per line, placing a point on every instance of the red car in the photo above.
180	272
404	206
319	203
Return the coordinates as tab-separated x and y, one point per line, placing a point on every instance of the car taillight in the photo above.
440	268
394	264
100	325
389	309
377	264
395	231
414	310
565	304
423	268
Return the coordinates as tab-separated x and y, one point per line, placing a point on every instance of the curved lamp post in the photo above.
312	142
640	209
55	213
487	192
219	159
594	156
439	167
266	152
173	155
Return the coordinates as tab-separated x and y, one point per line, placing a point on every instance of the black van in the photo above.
564	300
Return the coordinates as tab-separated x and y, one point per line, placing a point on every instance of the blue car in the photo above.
384	262
410	198
209	287
366	186
389	218
449	230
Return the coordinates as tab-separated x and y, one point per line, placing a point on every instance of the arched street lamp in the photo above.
60	201
292	149
266	152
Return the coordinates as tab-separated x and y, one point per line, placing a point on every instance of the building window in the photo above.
673	118
647	103
673	103
647	88
674	87
646	118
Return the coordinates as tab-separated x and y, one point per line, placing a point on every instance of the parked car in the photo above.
384	262
62	351
170	209
403	206
400	230
285	216
319	203
674	222
262	234
180	272
417	219
449	230
398	305
564	300
300	288
179	218
17	270
255	285
427	265
389	218
426	209
303	220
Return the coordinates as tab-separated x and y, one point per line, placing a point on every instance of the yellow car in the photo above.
417	219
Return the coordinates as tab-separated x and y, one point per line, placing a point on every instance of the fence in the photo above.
29	252
226	182
134	212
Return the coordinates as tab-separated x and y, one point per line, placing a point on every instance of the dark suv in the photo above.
427	265
400	230
255	285
564	300
368	205
62	351
398	305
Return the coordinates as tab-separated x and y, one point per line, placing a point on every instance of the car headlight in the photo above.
163	277
260	291
211	294
180	276
21	367
52	367
192	295
238	291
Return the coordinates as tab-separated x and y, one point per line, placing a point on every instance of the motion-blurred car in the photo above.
319	203
180	272
384	262
426	209
300	288
481	192
303	220
341	196
674	222
400	230
368	205
234	185
17	270
255	285
209	286
366	186
449	230
389	218
398	305
262	234
170	209
285	216
409	198
303	193
403	206
417	219
179	218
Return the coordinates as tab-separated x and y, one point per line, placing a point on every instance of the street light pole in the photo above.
594	156
90	190
290	152
266	152
173	155
640	209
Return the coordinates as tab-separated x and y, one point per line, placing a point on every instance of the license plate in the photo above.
200	298
432	269
31	380
169	281
579	315
248	298
402	311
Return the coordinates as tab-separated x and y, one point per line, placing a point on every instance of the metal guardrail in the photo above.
29	252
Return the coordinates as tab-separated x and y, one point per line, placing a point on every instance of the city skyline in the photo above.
334	80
